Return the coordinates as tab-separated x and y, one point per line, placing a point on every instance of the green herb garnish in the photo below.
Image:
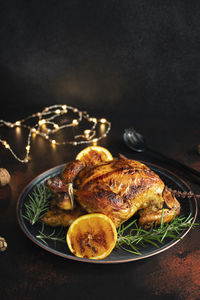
138	237
54	236
37	204
131	237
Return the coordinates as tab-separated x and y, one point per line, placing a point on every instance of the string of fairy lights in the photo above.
47	124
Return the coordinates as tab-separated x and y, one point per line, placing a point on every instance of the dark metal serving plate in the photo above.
188	206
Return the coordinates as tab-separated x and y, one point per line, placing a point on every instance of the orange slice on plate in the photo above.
92	236
94	155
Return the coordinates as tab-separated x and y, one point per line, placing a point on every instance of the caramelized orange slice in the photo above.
94	155
92	236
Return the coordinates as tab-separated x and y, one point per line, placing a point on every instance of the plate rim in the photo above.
94	261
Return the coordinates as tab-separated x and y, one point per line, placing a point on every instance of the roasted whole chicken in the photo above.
119	188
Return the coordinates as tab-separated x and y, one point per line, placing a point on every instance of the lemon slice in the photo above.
92	236
94	155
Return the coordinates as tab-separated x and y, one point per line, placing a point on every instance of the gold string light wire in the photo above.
50	117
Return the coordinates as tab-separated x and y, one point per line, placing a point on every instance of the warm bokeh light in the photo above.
45	122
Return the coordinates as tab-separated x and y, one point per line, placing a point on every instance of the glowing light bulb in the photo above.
3	143
56	126
103	121
75	122
28	148
95	141
53	142
17	123
87	133
41	122
94	120
57	111
103	125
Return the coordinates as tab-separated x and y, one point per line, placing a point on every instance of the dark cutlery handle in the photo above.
175	162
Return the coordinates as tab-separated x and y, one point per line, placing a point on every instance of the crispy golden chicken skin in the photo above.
119	188
60	217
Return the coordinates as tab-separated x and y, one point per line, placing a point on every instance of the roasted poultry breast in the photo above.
118	188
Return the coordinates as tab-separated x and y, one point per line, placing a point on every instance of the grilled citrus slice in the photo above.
94	155
92	236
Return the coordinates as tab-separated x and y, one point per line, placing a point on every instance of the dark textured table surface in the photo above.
135	63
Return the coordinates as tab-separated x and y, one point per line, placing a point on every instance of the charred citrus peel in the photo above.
94	155
92	236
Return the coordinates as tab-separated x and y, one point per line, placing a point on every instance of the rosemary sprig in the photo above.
131	237
54	236
37	204
138	237
184	194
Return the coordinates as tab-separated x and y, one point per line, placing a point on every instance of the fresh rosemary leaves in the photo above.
37	204
138	237
131	237
55	236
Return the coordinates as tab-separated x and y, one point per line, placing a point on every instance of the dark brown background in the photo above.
137	64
